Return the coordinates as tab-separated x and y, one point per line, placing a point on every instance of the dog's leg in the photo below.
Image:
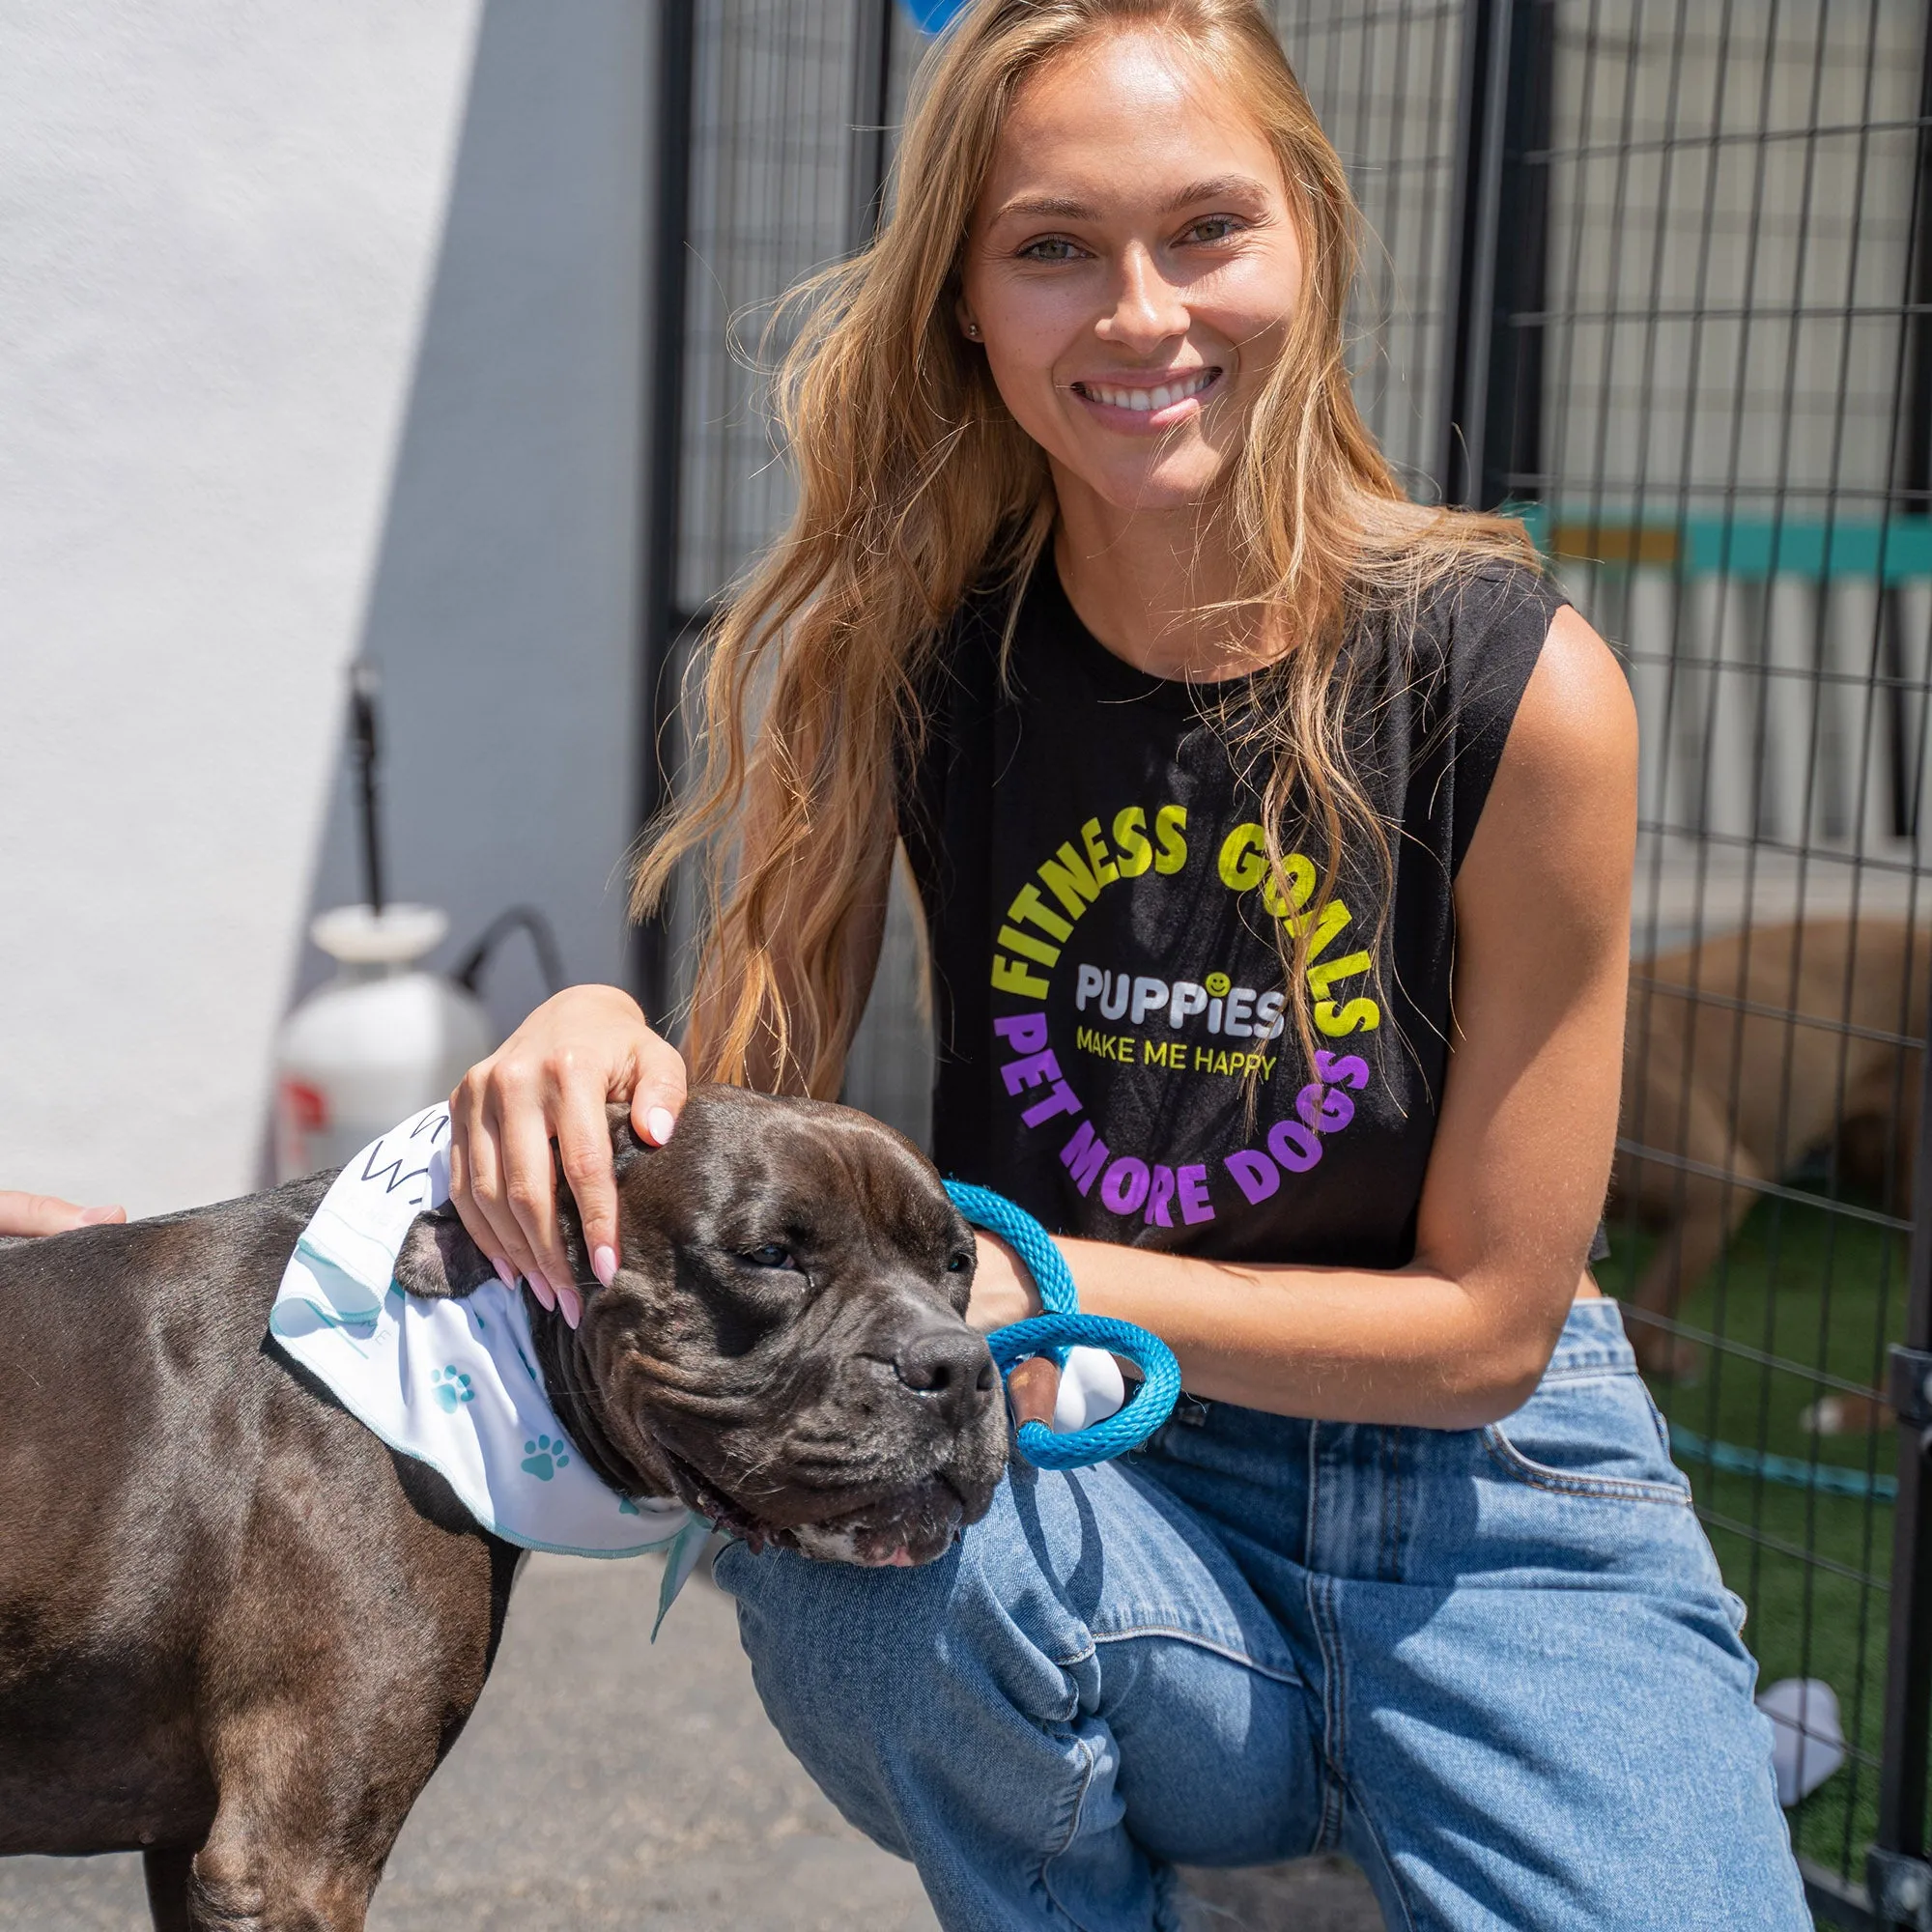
315	1786
348	1649
249	1881
1705	1214
167	1873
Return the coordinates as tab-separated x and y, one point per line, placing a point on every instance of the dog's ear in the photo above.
439	1261
625	1149
625	1146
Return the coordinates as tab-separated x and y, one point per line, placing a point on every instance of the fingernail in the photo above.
540	1288
660	1121
604	1265
569	1304
504	1273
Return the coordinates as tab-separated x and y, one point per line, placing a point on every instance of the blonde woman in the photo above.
1274	838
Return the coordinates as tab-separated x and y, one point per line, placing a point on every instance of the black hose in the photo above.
543	941
362	686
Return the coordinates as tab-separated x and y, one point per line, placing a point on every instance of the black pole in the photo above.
1896	1869
1915	450
1912	452
1897	1875
659	627
1491	435
1512	446
362	688
1476	204
871	109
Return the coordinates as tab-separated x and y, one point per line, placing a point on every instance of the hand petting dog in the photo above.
48	1214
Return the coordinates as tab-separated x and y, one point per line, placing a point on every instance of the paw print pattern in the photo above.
451	1389
544	1458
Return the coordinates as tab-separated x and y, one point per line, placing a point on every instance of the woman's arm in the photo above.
1522	1157
550	1081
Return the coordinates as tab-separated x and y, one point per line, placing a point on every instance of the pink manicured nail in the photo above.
504	1273
570	1305
604	1265
660	1123
541	1289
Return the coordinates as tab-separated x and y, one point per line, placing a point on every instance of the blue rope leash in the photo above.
1829	1479
1063	1326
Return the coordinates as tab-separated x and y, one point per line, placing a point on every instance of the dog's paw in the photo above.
545	1456
1844	1415
451	1389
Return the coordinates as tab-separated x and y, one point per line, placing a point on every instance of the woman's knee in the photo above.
834	1643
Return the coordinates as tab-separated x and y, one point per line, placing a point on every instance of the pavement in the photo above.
607	1781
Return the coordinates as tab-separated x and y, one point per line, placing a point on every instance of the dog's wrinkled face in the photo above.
784	1345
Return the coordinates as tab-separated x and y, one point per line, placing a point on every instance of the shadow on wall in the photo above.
500	611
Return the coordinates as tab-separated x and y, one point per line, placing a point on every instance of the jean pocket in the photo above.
1596	1436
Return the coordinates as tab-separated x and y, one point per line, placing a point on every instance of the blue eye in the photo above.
769	1256
959	1264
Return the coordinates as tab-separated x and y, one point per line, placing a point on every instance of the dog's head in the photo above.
784	1345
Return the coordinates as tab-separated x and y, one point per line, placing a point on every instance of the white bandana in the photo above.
453	1383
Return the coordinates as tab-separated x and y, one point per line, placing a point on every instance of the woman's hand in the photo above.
48	1214
1003	1290
550	1081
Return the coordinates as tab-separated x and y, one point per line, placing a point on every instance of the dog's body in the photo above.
238	1633
1718	1079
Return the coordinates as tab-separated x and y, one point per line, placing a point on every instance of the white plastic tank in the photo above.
381	1040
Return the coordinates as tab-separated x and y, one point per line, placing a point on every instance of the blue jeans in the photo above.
1496	1666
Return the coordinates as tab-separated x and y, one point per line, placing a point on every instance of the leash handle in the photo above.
1063	1326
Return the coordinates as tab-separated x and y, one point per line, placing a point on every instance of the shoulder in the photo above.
1576	715
1558	838
1483	611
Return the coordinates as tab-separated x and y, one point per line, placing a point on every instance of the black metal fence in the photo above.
1657	274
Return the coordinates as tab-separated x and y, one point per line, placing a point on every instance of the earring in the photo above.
972	331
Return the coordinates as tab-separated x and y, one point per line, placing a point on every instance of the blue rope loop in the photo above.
1063	1326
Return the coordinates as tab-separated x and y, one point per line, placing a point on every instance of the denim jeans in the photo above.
1497	1666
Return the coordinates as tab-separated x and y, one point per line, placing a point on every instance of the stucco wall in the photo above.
319	335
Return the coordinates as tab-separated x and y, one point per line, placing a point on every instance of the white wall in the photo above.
319	334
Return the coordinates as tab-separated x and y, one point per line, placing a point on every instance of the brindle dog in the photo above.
1744	1055
239	1633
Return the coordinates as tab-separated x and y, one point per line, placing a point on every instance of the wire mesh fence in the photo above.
1658	275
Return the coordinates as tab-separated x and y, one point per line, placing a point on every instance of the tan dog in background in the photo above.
1721	1079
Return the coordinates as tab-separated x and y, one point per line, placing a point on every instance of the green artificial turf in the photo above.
1808	1288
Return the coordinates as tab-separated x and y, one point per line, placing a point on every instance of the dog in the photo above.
238	1633
1744	1055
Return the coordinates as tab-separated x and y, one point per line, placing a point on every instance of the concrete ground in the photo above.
606	1782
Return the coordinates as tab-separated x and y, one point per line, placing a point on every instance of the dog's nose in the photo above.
952	1369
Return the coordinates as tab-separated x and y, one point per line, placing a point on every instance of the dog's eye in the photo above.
770	1256
959	1262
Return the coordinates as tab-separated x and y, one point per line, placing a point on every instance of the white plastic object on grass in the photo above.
1807	1742
382	1039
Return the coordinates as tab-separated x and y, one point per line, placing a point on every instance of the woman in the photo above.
1274	837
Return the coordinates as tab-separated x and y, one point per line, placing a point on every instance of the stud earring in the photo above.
972	331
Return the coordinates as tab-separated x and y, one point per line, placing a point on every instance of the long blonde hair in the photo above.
916	485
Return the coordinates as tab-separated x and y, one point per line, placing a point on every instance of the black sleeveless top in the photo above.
1113	1048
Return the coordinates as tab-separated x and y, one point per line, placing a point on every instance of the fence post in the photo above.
871	109
1498	242
659	623
1898	1874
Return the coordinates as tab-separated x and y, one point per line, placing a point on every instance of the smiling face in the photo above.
1131	269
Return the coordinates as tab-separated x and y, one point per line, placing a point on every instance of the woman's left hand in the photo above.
48	1214
1003	1290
